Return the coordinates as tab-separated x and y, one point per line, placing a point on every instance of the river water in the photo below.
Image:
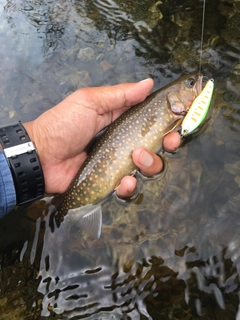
173	252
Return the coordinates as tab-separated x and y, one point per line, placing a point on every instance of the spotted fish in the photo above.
111	158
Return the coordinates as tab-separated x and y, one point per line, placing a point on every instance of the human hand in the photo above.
62	133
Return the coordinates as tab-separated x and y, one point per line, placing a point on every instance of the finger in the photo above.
117	98
148	162
127	187
172	141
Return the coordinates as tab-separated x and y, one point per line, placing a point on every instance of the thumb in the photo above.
118	98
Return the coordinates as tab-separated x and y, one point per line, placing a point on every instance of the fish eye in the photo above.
190	83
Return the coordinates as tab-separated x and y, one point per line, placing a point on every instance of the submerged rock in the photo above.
86	54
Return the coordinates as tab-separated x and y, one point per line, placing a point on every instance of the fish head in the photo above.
187	88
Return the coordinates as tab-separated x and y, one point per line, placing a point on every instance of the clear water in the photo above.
173	252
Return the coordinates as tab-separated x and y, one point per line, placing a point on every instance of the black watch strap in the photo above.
23	162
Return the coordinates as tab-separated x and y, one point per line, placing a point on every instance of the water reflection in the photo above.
173	252
179	269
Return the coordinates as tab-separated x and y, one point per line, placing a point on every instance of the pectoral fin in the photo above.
88	218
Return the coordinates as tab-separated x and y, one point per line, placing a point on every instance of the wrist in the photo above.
23	162
28	126
39	140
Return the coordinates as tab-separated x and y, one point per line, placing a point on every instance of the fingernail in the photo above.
146	159
144	80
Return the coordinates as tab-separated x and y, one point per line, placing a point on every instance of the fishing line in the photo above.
201	45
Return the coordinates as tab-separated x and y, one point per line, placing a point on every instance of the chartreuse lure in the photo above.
198	110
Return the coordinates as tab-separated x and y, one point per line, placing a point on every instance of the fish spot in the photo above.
144	130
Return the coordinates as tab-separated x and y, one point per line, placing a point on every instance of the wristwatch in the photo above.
23	162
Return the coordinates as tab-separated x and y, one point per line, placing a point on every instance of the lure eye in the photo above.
189	83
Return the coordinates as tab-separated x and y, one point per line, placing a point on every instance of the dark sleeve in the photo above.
7	190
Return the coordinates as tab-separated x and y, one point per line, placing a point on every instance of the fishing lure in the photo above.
198	110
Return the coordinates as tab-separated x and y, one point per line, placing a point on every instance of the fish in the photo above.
110	159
